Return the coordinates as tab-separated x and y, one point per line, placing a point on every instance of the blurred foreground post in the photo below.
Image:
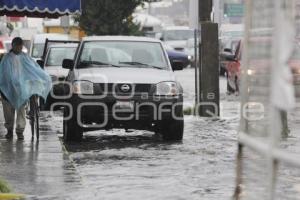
209	62
285	127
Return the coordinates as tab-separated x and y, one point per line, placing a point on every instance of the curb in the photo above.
9	196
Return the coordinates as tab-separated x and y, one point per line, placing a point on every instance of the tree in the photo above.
109	17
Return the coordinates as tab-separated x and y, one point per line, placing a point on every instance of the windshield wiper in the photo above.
97	63
141	64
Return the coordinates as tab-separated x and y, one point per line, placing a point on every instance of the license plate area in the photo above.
124	106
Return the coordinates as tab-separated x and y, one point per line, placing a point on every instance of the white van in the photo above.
38	43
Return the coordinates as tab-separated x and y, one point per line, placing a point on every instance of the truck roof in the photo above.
63	45
120	38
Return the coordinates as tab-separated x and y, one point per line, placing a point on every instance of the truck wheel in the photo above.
72	132
172	130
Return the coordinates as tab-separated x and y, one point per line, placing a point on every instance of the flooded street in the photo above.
139	165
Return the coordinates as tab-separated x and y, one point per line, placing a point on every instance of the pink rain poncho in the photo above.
21	77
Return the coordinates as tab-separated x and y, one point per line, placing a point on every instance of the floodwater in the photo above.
139	165
116	165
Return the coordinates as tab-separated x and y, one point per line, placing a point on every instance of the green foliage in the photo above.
109	17
4	188
189	111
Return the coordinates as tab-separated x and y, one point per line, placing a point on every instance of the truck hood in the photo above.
57	71
124	75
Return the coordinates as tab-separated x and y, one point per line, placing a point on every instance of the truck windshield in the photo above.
37	51
122	54
58	54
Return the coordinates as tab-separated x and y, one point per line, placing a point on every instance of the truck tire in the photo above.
72	132
172	129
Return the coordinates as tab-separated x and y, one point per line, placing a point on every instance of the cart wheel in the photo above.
32	127
37	123
34	118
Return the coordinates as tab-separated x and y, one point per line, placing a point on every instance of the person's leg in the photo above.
21	122
9	117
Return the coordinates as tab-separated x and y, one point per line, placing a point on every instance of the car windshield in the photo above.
56	55
122	54
170	35
38	50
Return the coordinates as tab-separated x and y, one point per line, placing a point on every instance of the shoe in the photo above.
9	135
20	136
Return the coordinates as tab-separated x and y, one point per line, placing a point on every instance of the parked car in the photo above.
122	82
52	64
190	50
177	38
39	40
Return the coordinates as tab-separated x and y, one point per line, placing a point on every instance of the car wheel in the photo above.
72	132
172	129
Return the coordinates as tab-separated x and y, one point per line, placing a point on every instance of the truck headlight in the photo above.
83	87
167	89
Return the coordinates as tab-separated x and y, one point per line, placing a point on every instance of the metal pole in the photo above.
196	68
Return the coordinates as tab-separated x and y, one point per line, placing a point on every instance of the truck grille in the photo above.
109	88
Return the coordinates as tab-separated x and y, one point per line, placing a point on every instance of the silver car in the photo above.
122	82
52	64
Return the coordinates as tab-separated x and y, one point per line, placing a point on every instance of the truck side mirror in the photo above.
68	64
176	66
40	63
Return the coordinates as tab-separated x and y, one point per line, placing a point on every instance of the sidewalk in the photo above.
41	169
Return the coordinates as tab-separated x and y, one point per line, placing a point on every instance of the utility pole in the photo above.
209	62
194	24
217	12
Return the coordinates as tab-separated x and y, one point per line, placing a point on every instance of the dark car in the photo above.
179	58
